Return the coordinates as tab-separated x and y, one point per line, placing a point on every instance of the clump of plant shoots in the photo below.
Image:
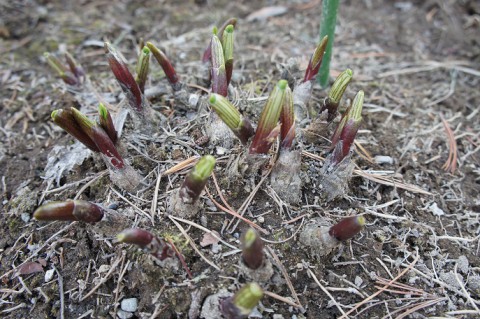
329	109
71	74
100	139
303	90
338	167
323	238
285	177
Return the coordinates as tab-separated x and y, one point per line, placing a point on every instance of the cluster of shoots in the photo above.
71	73
279	107
73	210
154	245
241	304
347	129
100	137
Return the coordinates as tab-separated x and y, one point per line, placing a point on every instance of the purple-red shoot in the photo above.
74	210
207	54
347	228
124	77
218	72
252	249
315	60
101	139
152	244
71	74
287	119
166	65
347	129
106	122
65	119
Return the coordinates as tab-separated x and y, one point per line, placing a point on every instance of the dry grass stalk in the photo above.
451	163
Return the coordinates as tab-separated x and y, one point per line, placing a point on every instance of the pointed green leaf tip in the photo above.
82	119
102	110
204	167
340	85
357	105
250	237
54	114
282	84
146	50
248	297
215	30
229	28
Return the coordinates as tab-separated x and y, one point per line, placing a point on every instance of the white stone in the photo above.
129	304
49	275
124	314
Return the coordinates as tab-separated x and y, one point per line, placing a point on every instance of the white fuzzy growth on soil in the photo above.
285	176
126	178
334	179
315	236
260	275
178	207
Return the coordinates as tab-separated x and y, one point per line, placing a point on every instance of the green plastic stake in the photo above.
327	27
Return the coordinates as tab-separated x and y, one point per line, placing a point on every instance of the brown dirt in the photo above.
417	62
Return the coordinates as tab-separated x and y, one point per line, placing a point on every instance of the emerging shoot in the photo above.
143	64
268	130
287	118
240	125
252	249
218	72
74	210
196	180
127	82
316	60
72	74
106	123
347	228
150	243
227	44
65	119
347	129
207	55
332	101
166	65
242	303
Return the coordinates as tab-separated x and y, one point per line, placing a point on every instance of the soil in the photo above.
419	65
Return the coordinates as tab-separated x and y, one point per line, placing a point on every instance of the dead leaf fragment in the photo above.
29	268
209	239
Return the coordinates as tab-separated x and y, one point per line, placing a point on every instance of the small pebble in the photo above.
261	220
25	217
382	159
129	304
49	275
221	150
124	314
